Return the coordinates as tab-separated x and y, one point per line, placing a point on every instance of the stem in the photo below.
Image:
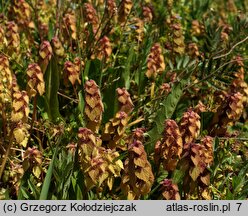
58	4
11	59
75	92
68	32
78	42
101	71
233	47
152	89
6	154
213	74
33	115
4	122
135	122
69	98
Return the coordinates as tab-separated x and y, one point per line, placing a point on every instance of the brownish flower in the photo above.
58	48
20	108
86	136
15	86
147	13
138	177
46	53
35	80
33	160
193	50
207	142
125	102
170	191
230	109
165	89
71	73
79	64
5	80
155	62
72	148
104	49
239	84
170	3
197	28
190	126
124	10
3	41
200	107
21	134
15	175
235	106
177	35
200	156
33	155
99	165
93	105
90	16
115	130
70	27
111	8
21	12
171	146
13	39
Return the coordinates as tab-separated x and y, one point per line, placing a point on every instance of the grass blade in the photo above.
47	181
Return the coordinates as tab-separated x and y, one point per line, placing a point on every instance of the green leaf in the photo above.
163	175
47	181
166	111
237	183
24	193
52	87
210	65
85	73
76	186
23	187
178	176
186	61
51	30
140	77
179	61
126	72
194	173
110	100
93	71
34	189
81	102
206	119
229	195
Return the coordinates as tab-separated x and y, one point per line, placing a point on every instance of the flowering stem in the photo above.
6	154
